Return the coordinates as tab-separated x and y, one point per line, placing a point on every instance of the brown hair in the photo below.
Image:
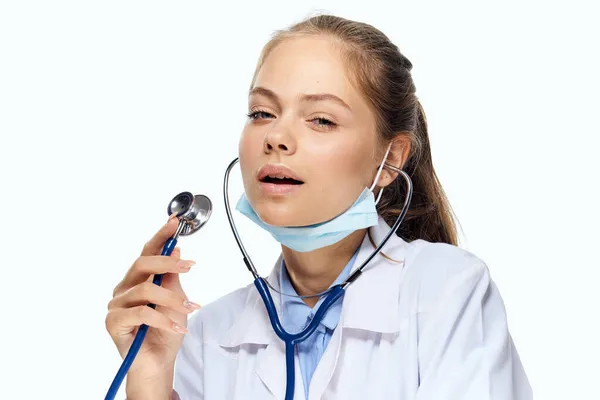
382	74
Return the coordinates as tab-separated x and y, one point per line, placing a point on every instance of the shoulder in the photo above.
216	318
424	257
432	269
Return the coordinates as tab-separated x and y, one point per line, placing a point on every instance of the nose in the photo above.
279	140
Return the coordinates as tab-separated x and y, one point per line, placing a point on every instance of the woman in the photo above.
331	103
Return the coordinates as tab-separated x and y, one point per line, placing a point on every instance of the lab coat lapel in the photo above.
326	366
254	326
271	370
271	365
370	303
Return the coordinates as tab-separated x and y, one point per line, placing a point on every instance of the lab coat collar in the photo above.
370	302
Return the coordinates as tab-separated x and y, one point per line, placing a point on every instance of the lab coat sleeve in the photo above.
189	364
465	349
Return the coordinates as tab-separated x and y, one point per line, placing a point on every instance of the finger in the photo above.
176	253
147	292
146	266
154	246
122	321
169	281
172	282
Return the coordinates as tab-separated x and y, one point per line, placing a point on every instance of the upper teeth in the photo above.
278	176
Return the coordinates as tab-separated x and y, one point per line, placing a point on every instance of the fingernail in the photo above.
172	216
185	264
191	305
179	328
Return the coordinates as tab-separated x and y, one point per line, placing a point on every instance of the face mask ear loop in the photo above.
379	196
380	168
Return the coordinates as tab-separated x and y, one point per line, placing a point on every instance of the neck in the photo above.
314	271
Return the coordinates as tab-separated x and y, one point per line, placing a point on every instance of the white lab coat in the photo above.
432	327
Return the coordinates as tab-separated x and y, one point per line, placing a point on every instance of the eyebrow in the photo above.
306	97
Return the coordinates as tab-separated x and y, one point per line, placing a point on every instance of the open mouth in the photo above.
281	181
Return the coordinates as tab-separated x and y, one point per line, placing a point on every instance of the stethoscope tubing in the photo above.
356	273
262	286
290	339
333	293
141	333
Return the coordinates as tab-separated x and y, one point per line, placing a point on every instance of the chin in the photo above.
275	218
280	215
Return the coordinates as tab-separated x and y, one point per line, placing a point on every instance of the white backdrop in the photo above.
110	108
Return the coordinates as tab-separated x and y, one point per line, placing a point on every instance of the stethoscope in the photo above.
193	212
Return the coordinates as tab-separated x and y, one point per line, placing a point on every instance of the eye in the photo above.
324	123
259	114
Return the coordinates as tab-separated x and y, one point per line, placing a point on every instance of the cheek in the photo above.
340	172
347	163
247	151
245	143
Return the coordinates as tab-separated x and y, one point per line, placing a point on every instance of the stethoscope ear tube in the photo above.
333	294
392	230
247	260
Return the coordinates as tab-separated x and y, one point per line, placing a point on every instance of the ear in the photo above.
397	157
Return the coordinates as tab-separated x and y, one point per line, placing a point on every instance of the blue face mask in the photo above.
362	214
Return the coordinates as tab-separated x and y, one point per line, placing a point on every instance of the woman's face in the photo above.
308	117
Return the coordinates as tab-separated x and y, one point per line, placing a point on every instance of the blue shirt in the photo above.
297	315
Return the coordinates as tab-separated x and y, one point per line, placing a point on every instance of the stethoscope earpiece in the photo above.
192	211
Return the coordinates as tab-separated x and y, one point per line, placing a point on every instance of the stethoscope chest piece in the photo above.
194	210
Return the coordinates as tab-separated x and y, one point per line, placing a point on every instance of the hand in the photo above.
128	309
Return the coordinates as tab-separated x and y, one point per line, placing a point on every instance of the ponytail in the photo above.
430	216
